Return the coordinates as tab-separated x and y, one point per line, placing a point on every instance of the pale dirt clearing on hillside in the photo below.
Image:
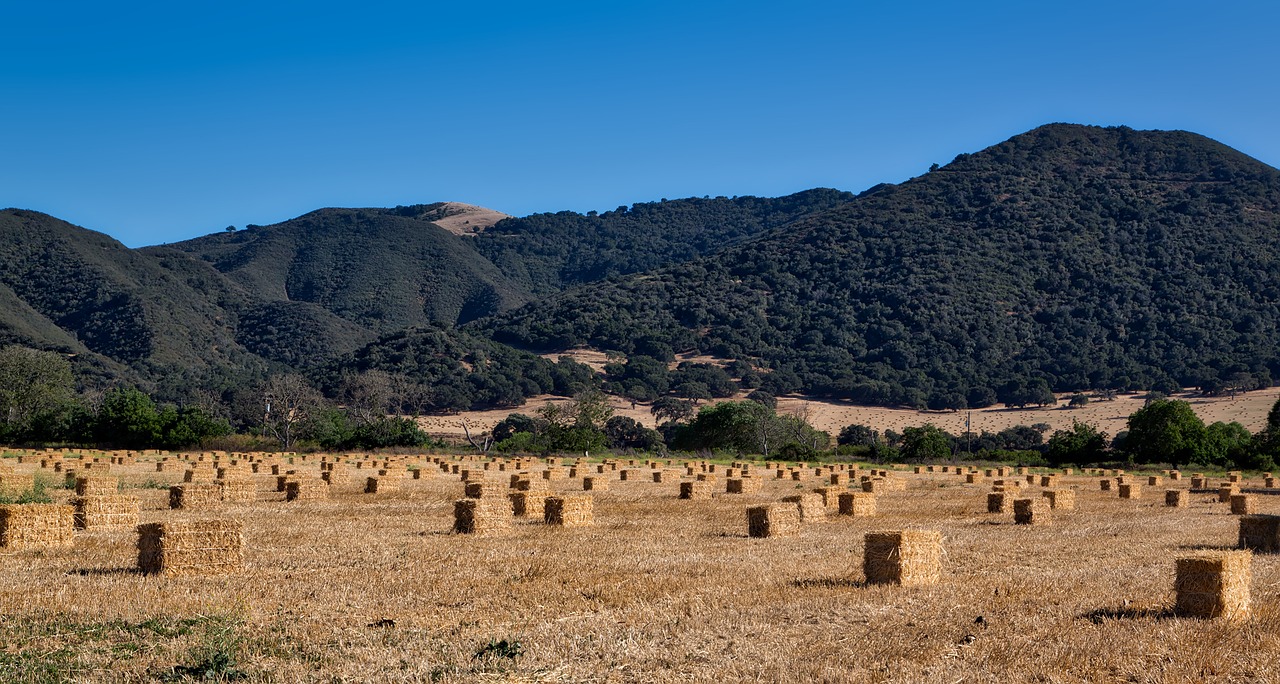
1248	409
466	219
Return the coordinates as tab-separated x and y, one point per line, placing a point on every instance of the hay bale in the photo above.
195	496
97	485
36	526
812	507
999	502
305	490
1048	480
1061	499
1214	585
569	510
1175	475
528	504
200	475
1131	490
595	484
1153	481
773	520
1198	483
970	478
1269	482
481	516
1244	504
905	557
11	483
1260	533
191	547
106	512
696	490
857	504
744	485
238	490
1176	498
1032	512
1226	491
1104	485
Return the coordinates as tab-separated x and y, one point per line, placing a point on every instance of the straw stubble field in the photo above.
376	587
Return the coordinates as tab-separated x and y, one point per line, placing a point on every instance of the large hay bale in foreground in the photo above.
773	520
97	485
195	496
305	490
1244	504
1214	585
857	504
106	512
1031	512
1260	533
1176	498
36	526
1061	499
570	510
906	557
481	516
812	507
191	547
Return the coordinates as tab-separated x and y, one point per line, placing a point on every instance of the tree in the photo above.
671	410
1166	431
1083	443
857	435
32	384
288	402
925	443
129	419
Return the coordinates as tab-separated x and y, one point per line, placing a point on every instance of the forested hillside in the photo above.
1068	257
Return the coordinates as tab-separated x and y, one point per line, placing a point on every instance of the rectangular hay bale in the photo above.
905	557
1032	512
106	512
195	496
773	520
1260	533
36	526
1214	585
812	507
481	516
191	547
857	504
570	510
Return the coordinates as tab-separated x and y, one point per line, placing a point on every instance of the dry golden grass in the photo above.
375	588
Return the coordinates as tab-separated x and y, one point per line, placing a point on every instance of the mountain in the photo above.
547	253
1070	257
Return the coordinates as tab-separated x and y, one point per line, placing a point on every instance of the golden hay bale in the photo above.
1269	482
1176	498
191	547
1032	512
1235	476
999	502
970	478
812	507
1260	533
773	520
696	490
1153	481
744	485
905	557
481	516
194	496
528	504
1175	475
1244	504
1131	490
97	485
628	475
555	474
839	479
1061	499
1214	585
36	526
569	510
1104	485
384	485
14	484
595	484
238	489
200	475
106	512
1198	483
1226	491
305	489
1048	480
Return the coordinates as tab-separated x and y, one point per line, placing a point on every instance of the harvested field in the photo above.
380	589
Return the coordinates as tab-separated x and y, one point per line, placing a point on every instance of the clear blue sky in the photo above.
159	122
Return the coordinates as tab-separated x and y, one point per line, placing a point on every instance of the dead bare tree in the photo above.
486	439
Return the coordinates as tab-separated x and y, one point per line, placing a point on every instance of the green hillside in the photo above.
1069	256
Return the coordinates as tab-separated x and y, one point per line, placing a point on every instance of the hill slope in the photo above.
1073	255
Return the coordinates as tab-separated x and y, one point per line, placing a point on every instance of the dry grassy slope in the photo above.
1248	409
657	590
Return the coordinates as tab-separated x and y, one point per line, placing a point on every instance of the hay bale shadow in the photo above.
1208	547
1098	616
104	572
827	583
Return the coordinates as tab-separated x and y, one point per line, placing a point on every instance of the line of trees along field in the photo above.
39	405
